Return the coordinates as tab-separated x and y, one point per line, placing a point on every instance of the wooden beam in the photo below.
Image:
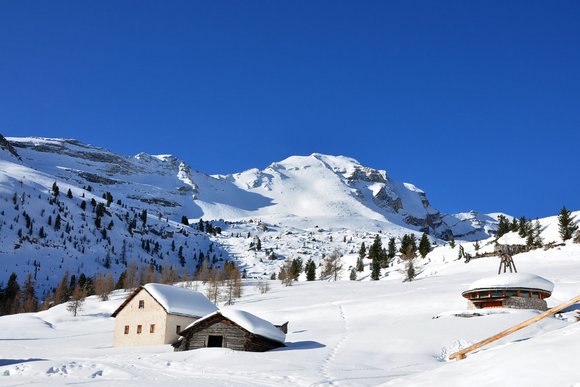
459	355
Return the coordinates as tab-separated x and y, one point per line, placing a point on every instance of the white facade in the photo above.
143	320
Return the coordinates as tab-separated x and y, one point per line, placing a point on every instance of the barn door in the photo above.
215	341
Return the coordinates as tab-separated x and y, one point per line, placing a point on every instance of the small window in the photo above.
178	329
126	329
141	304
152	328
139	329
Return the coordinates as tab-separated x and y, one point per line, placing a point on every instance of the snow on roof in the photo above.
513	280
511	238
249	322
181	301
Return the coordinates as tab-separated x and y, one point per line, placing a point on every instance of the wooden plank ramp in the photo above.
460	355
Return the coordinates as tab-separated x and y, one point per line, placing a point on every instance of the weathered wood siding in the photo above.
234	336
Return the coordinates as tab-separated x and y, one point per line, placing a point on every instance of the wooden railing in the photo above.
460	355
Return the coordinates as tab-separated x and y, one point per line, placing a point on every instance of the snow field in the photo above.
340	333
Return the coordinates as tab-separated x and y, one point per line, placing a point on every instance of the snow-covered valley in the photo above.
340	333
112	210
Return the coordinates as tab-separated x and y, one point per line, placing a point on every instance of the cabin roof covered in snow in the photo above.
175	300
512	238
248	321
513	280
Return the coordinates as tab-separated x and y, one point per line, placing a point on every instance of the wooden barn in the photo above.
233	329
154	314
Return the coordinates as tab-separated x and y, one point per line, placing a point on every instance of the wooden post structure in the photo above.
507	262
460	355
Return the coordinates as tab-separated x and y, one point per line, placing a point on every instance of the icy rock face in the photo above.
324	186
6	146
470	225
360	173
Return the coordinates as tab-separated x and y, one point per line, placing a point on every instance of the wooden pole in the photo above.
459	355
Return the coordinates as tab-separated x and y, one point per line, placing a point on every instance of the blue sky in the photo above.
478	103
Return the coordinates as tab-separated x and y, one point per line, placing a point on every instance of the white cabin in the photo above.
154	313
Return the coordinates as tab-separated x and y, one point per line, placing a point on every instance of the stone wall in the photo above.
525	303
517	303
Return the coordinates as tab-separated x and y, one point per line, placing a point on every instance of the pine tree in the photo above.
375	269
107	261
359	264
410	272
310	270
10	296
377	253
391	249
567	225
296	268
57	222
362	252
55	189
537	232
424	246
514	226
503	226
353	274
69	194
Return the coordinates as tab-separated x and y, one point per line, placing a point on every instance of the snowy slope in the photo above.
308	206
347	333
303	190
31	241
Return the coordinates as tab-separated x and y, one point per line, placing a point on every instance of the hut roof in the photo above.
513	280
511	238
248	321
175	300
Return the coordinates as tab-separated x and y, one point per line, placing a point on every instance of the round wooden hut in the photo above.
509	290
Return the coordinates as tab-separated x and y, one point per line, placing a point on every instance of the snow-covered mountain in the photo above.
329	191
301	193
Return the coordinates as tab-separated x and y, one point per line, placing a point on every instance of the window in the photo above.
126	329
152	328
139	329
215	341
141	304
178	329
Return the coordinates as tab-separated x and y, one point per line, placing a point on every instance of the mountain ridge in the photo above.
292	198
